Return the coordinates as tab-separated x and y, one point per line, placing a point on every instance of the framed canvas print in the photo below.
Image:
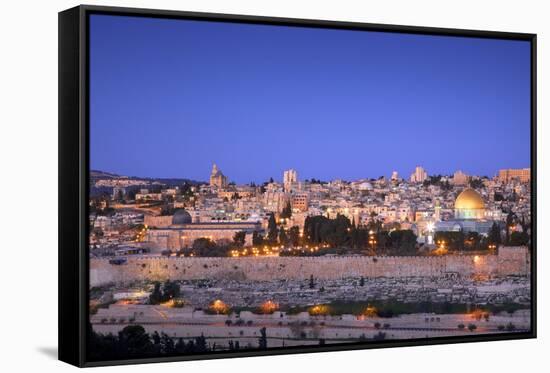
236	186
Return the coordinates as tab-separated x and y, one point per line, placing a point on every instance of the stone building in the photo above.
179	231
290	177
217	178
460	178
419	175
522	174
469	215
300	201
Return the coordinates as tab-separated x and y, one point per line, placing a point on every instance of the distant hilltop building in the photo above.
419	175
290	177
460	178
521	174
217	178
394	176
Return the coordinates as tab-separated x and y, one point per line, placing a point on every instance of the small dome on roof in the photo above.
181	217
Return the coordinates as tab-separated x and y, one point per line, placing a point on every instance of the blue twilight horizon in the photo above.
168	98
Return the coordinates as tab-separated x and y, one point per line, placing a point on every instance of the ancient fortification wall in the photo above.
508	261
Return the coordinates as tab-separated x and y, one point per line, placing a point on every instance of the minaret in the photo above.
437	215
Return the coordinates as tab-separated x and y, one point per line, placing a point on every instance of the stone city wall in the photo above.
508	261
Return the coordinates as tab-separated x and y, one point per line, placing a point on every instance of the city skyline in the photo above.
258	98
179	268
280	176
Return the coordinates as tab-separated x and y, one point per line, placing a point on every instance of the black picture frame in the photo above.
74	177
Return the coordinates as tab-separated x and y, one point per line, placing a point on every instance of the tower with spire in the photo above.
217	178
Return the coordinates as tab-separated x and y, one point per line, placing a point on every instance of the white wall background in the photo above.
28	186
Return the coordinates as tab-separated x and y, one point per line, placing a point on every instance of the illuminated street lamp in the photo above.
370	311
441	249
372	240
430	228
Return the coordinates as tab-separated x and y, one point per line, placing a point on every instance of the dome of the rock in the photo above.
469	205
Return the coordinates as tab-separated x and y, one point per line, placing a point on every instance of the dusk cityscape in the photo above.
257	187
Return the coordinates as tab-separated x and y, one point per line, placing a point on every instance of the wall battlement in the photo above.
508	261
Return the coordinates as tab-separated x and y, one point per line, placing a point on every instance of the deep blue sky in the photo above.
170	97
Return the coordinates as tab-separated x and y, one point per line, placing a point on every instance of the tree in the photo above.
287	211
362	281
239	239
156	296
200	344
311	282
476	183
403	242
510	218
135	340
283	239
180	345
156	338
272	229
262	345
322	230
171	290
167	345
494	234
452	240
294	235
519	238
203	243
257	239
472	327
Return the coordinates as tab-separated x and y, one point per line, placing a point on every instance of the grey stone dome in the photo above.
181	217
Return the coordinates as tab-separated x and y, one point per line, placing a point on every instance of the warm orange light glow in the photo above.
319	310
219	306
370	311
440	251
269	307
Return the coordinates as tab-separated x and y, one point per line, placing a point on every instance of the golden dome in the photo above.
469	199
